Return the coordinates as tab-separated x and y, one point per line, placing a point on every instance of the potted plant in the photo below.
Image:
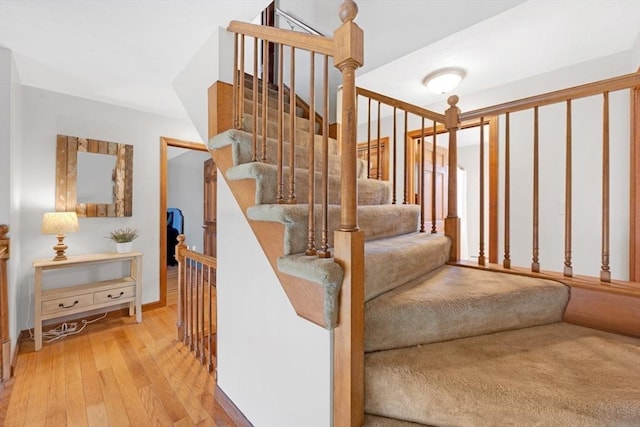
124	238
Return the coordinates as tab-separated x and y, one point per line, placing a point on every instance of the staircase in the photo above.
445	345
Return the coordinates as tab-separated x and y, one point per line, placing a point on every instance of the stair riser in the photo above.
456	302
302	137
272	104
273	94
301	124
370	192
243	153
377	222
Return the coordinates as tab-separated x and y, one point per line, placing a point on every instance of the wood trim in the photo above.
162	228
393	102
230	408
310	42
602	310
5	338
634	178
220	95
617	83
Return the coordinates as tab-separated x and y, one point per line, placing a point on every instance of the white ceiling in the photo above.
128	52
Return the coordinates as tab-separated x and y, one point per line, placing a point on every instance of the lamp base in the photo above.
60	248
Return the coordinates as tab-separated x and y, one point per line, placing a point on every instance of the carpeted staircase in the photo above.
445	345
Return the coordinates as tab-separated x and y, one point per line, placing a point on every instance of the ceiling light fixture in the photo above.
444	80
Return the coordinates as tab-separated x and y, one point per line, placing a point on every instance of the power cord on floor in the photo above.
66	329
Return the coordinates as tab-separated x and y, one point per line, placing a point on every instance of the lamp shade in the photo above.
59	222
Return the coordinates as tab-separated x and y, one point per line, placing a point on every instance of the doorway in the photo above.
170	148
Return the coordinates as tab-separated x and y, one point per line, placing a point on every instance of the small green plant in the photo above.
123	235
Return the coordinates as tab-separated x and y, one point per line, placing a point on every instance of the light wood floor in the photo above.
115	373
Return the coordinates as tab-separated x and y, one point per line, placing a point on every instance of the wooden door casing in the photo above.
210	219
363	153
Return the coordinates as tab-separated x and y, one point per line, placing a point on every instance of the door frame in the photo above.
492	168
634	196
162	223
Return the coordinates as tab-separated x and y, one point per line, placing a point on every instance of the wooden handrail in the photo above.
396	103
596	88
313	43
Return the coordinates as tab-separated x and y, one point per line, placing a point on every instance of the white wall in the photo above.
185	184
10	155
274	365
45	114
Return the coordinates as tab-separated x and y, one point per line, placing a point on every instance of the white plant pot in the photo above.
123	248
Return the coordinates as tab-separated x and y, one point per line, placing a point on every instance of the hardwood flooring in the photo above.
115	373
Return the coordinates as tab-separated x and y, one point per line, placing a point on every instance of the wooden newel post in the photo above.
452	222
4	304
348	338
179	255
348	57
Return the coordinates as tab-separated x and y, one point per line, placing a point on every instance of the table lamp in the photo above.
59	223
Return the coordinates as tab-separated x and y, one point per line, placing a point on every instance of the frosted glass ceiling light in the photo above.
444	80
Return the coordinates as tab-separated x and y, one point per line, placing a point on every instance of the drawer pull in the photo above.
116	297
61	305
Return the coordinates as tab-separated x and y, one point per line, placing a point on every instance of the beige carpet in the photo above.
552	375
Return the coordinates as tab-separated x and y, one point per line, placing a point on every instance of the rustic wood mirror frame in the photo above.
67	149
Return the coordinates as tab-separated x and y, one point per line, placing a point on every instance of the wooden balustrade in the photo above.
601	88
197	303
412	182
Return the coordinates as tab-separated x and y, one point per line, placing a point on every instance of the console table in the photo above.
54	303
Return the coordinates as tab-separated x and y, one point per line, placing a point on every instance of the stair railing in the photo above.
196	325
5	339
346	48
431	124
567	97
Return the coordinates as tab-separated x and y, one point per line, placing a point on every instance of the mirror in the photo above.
94	178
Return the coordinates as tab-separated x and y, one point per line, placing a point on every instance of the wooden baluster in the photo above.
395	155
242	83
254	109
535	263
378	174
5	339
280	177
481	256
406	155
236	87
605	272
452	222
201	304
568	269
210	342
369	138
265	97
311	234
324	243
434	159
292	129
196	305
423	142
506	262
188	302
179	251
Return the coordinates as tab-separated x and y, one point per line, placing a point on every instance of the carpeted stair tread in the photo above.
374	421
302	124
323	271
552	375
457	302
301	136
394	261
377	221
370	191
242	152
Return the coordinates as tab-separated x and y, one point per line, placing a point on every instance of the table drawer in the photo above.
115	294
69	303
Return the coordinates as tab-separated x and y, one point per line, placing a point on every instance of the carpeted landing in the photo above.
446	346
551	375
